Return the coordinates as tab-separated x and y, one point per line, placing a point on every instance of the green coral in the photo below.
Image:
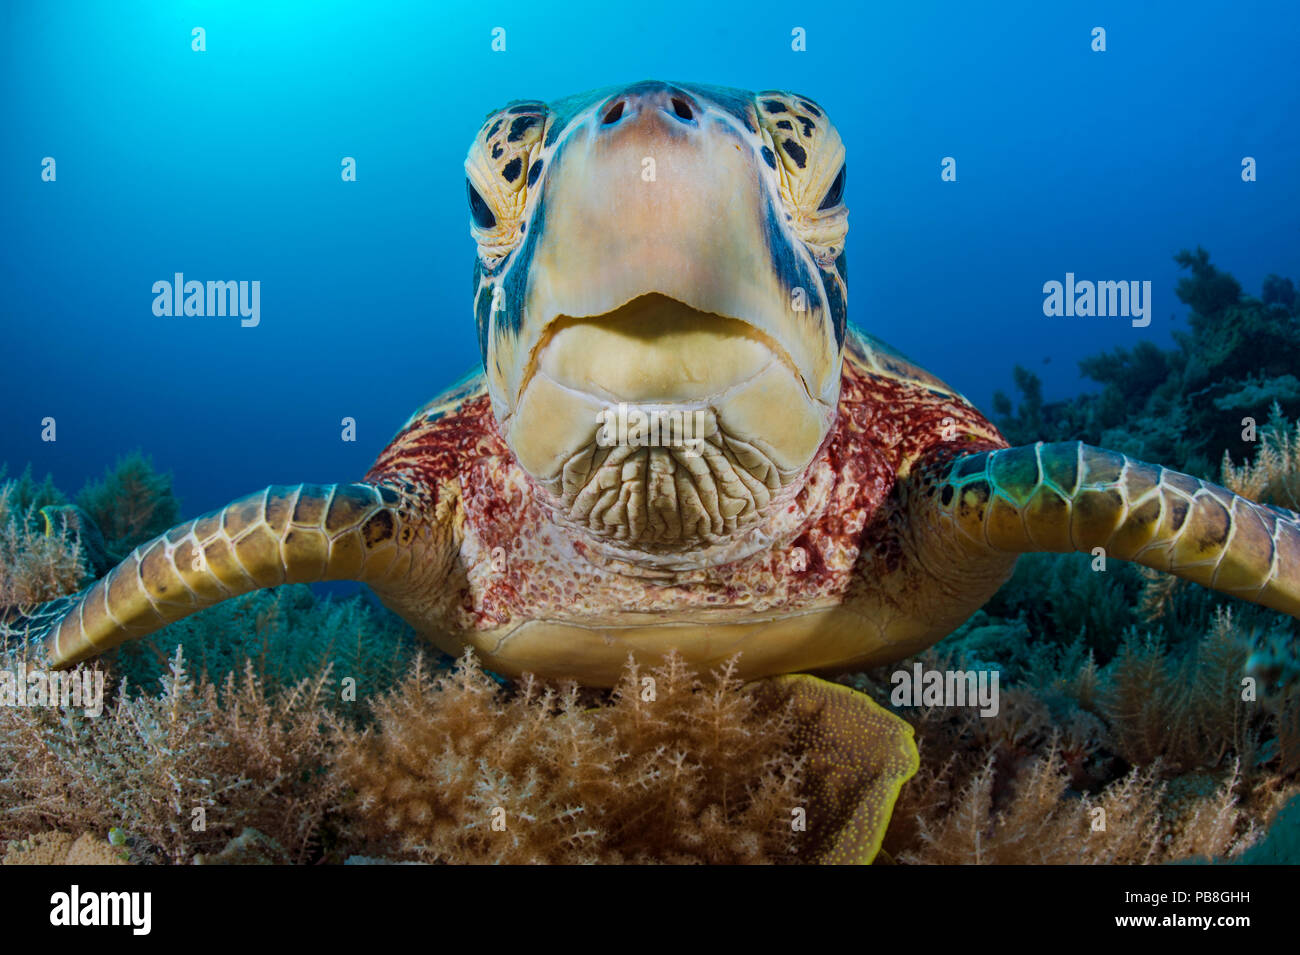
287	634
1257	392
26	493
132	504
1060	598
1206	291
1183	406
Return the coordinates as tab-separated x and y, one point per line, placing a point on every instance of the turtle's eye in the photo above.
836	191
478	209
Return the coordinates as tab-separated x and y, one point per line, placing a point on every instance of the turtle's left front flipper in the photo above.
1073	497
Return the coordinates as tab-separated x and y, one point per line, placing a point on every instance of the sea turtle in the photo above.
677	439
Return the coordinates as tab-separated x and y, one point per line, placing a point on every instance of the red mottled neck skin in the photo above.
840	532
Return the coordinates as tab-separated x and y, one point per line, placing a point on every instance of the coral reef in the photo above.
672	770
1274	476
25	492
1182	759
1039	821
46	549
33	567
181	772
1181	407
132	503
456	767
1126	680
1193	407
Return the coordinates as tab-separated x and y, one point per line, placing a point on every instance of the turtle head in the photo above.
660	298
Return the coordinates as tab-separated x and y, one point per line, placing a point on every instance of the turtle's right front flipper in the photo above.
280	535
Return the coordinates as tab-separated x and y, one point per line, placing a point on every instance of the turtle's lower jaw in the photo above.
662	427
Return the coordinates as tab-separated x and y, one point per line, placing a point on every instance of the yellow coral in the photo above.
91	850
858	755
60	848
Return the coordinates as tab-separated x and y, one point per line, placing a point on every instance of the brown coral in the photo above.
1041	822
673	769
1189	712
668	767
1274	476
1158	756
183	771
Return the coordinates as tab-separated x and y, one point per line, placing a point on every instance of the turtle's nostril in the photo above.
614	114
682	109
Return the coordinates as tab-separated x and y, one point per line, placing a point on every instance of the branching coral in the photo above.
287	634
1061	598
26	492
182	771
1184	756
1039	820
132	503
1274	476
1189	713
33	567
41	560
455	767
674	769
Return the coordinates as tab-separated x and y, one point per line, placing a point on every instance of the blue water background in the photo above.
226	165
